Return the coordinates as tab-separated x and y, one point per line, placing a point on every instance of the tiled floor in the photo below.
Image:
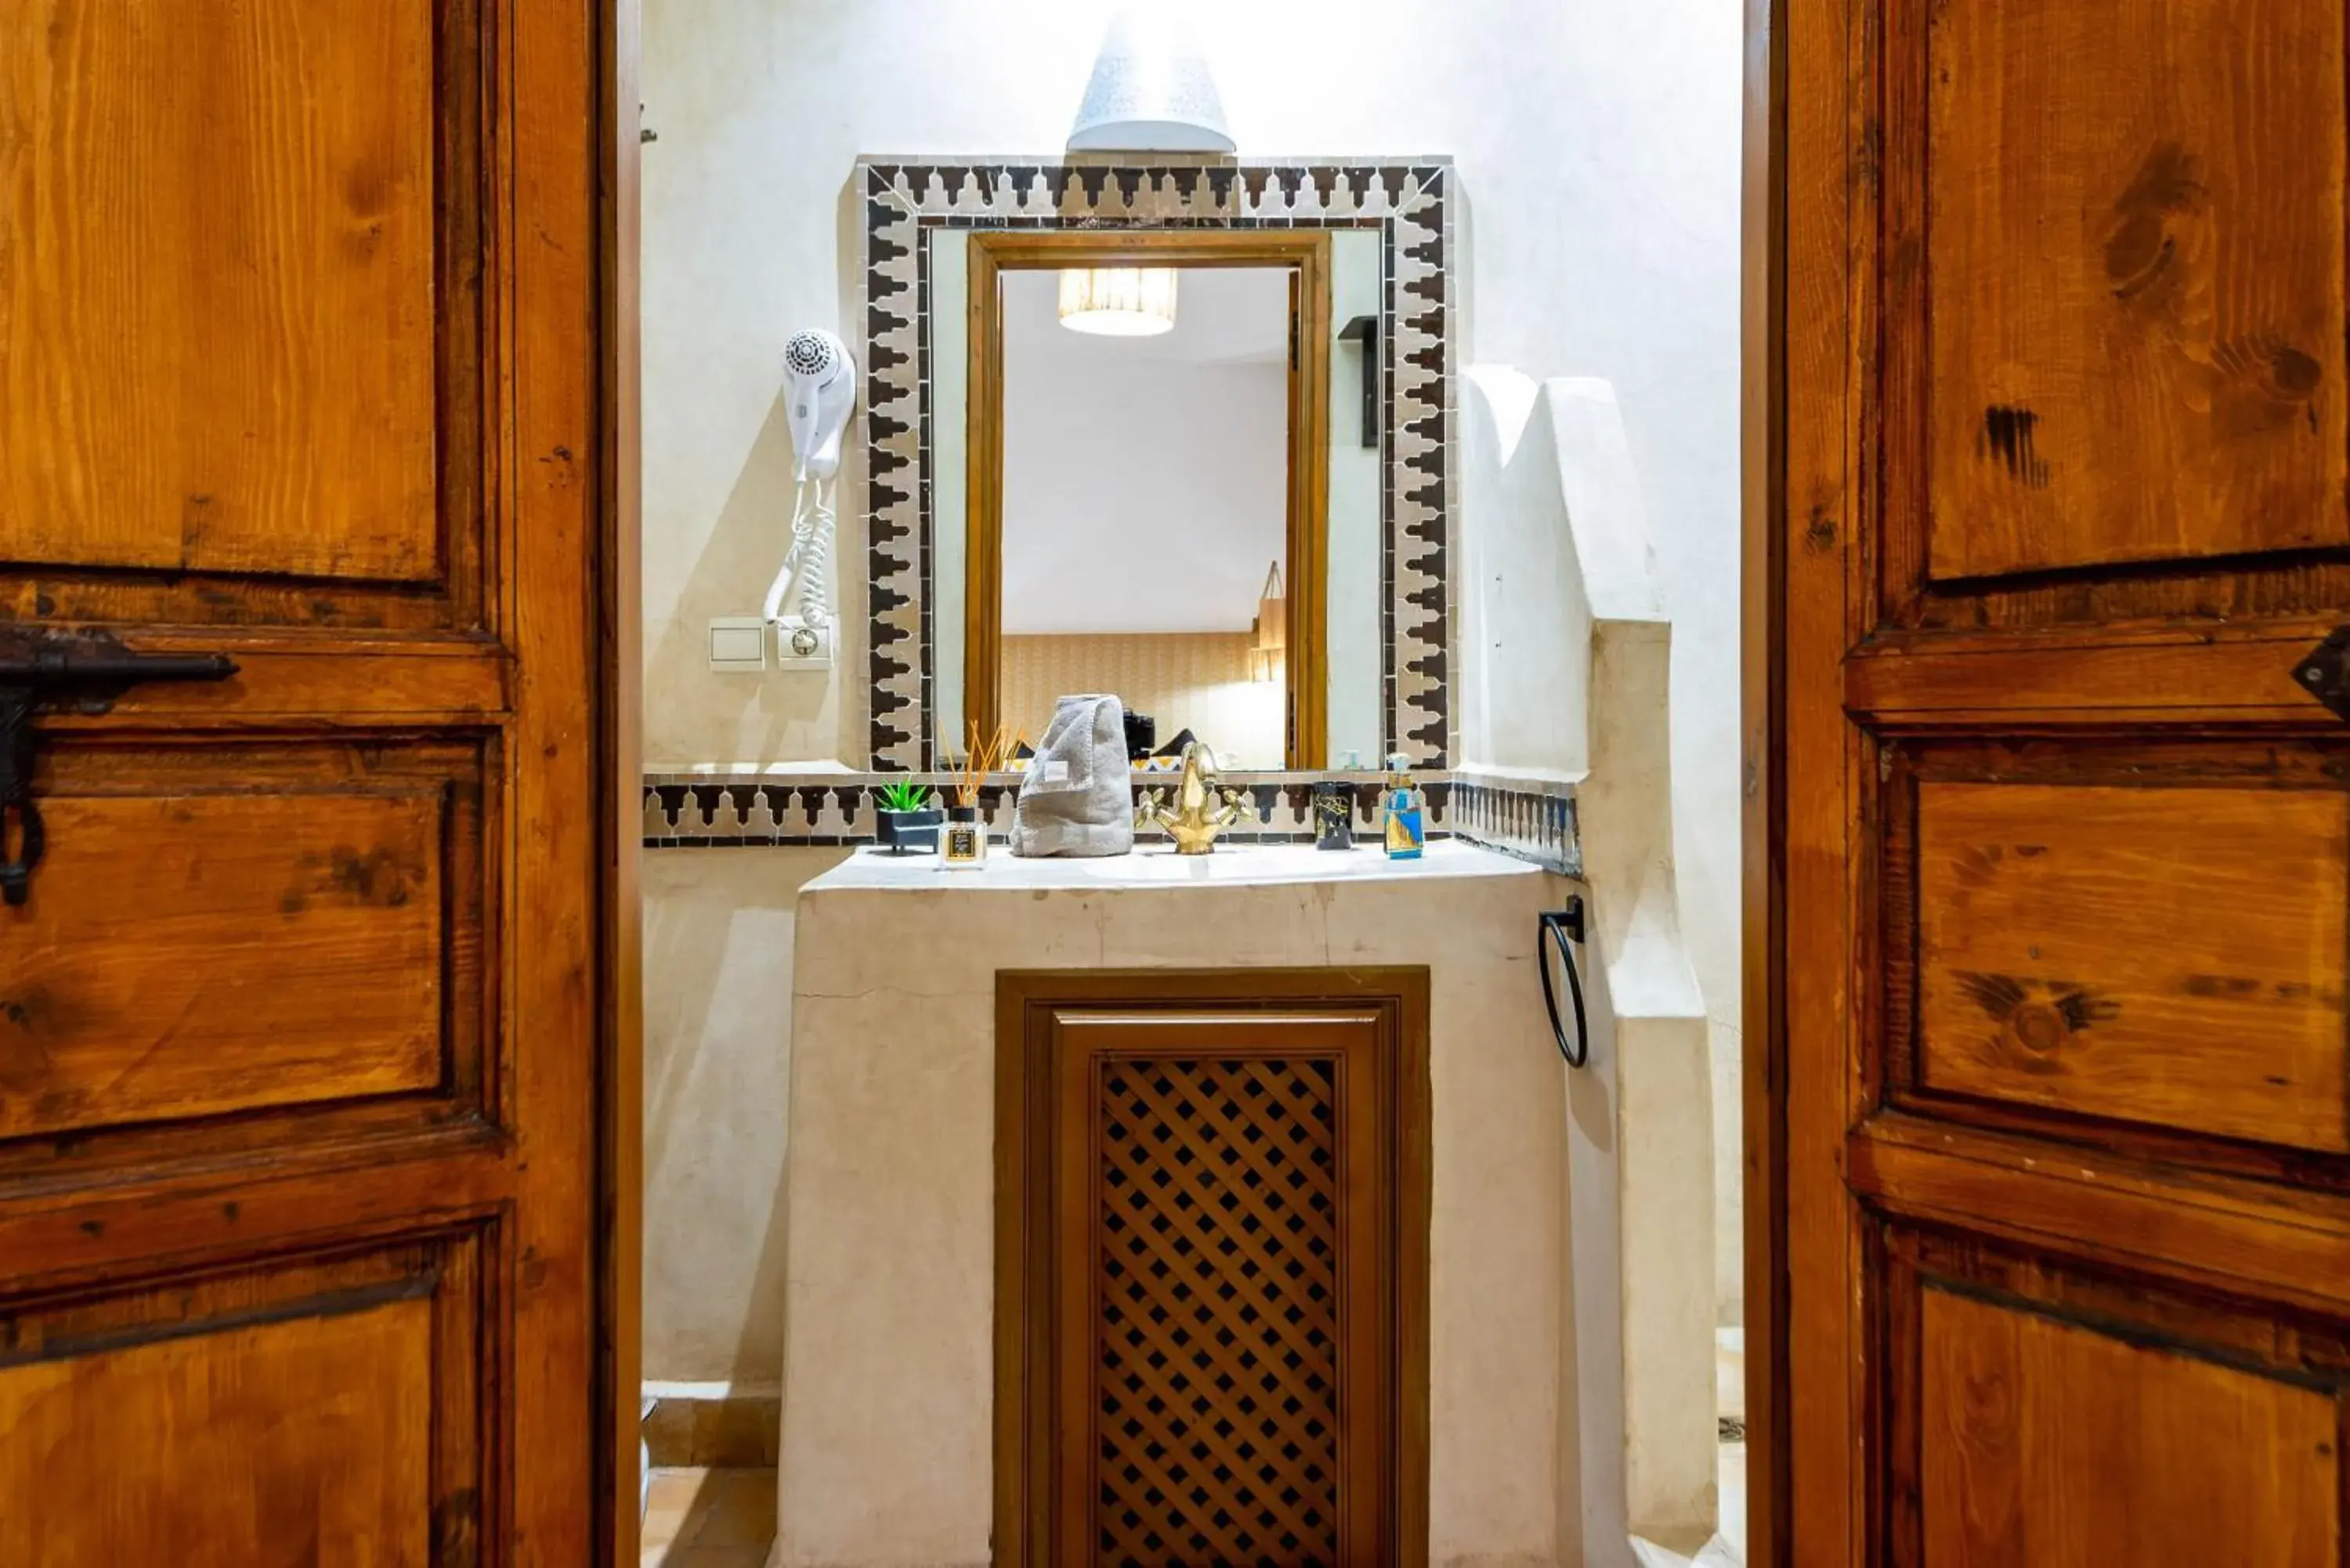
710	1518
1730	1377
726	1518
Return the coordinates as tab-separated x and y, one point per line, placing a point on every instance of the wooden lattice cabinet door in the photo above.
1213	1274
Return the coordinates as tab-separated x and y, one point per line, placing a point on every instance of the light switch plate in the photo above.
738	644
799	647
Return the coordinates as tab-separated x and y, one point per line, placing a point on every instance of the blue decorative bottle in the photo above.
1406	811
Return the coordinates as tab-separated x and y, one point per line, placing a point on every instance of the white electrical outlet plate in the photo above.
738	644
799	647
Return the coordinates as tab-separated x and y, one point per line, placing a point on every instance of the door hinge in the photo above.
85	670
2324	674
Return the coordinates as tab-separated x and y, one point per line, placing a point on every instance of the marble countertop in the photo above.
1155	863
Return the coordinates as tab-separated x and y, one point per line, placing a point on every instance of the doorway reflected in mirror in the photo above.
1152	478
1145	497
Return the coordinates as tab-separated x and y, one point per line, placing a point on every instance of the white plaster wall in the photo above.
1522	689
1597	145
1551	497
718	1031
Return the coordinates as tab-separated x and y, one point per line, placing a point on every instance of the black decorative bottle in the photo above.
1333	814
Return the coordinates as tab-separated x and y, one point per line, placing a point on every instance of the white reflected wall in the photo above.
1356	667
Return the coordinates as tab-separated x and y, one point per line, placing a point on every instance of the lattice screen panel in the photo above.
1216	1313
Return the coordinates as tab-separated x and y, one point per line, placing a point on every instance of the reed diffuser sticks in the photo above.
964	845
984	758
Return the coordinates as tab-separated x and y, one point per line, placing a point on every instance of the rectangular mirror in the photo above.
1047	513
1168	486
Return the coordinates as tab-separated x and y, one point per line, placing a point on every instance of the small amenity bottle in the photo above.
963	844
1333	814
1406	811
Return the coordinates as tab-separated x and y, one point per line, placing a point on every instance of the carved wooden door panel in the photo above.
298	980
2065	866
1211	1269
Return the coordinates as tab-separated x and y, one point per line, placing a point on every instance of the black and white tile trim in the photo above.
750	808
684	810
1410	201
1528	818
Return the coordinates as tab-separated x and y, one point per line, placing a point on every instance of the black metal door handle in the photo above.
83	669
1558	929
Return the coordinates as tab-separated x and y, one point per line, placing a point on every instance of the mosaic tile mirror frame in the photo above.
1409	204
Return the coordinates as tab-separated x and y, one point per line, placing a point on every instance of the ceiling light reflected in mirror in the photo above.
1118	301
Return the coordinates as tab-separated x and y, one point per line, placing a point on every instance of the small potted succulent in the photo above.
910	817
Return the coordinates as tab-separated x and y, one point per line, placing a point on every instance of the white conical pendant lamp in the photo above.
1152	89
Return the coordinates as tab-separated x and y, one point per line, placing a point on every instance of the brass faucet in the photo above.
1195	820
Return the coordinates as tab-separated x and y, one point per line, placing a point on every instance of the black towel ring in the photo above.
1559	928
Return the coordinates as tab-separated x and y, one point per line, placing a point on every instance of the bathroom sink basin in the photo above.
1155	863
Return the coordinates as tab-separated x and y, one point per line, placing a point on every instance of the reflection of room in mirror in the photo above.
1146	490
1196	680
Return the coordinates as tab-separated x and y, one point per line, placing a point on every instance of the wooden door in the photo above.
302	1005
1211	1269
2059	822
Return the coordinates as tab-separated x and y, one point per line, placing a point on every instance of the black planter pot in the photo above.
916	831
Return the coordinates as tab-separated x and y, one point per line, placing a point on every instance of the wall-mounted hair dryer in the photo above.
821	393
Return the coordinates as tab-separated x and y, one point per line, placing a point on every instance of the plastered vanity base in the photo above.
888	1440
